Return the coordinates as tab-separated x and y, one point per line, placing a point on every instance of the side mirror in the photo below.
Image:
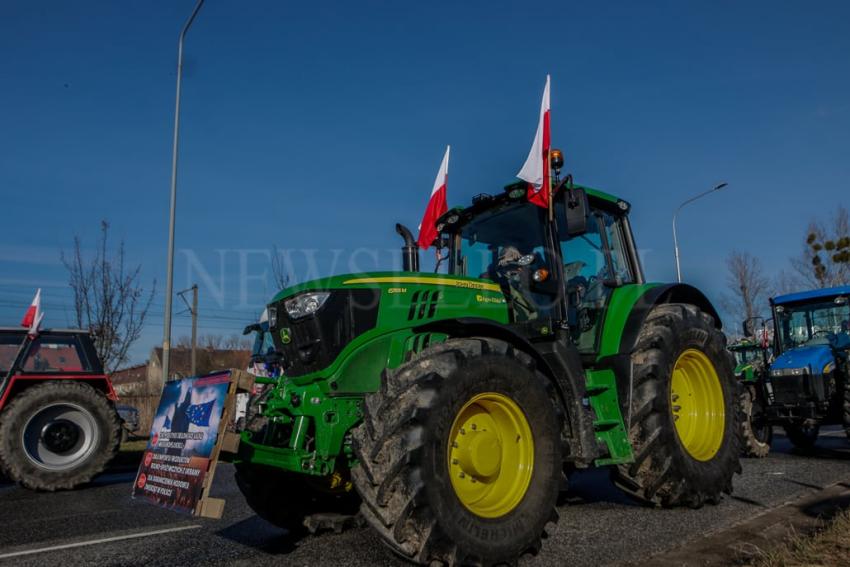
576	207
251	328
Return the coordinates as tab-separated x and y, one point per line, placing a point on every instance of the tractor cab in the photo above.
559	271
812	342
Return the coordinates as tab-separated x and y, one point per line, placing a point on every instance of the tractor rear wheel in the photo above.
58	435
756	432
460	455
286	499
684	418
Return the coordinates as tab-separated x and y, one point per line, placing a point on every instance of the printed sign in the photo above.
183	442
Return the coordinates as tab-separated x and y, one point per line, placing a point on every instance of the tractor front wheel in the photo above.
286	499
460	455
802	435
756	432
684	418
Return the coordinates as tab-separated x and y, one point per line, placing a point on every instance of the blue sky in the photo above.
318	126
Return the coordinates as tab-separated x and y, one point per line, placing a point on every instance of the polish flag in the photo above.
536	169
33	316
436	205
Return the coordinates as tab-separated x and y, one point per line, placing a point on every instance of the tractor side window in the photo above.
55	354
9	345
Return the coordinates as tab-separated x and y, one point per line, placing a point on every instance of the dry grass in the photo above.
827	547
134	446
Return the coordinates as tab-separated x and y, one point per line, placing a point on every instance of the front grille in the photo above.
788	390
315	341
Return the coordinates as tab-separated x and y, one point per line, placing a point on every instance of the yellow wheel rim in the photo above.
696	400
490	455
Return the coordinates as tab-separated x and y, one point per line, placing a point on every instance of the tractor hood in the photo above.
812	358
321	322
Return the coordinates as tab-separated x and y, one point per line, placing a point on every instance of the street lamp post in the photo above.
169	279
717	187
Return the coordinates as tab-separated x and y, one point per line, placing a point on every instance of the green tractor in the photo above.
752	362
449	408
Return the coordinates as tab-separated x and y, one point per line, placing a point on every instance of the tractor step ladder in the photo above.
601	387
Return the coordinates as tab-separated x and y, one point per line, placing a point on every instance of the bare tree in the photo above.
108	298
281	275
825	260
748	286
220	342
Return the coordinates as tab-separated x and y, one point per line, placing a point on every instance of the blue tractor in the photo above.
809	380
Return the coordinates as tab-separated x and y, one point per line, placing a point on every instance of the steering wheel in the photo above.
826	332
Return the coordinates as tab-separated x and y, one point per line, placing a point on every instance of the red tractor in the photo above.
58	423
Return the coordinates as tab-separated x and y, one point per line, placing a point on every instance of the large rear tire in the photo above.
58	435
756	432
460	455
684	418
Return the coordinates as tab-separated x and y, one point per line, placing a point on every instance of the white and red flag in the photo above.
436	205
33	316
536	170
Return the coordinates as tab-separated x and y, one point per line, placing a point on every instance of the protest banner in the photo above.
187	435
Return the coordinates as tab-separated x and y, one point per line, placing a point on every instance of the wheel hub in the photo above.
60	436
490	455
697	405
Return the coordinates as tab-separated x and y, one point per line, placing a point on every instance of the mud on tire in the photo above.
756	437
25	459
663	472
403	476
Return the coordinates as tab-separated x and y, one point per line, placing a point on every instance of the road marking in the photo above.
96	541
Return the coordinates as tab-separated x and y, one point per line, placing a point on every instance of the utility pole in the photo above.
169	278
717	187
194	311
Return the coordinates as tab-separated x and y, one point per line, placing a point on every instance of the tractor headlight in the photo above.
305	304
789	372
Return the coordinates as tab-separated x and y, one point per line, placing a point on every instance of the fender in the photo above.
658	295
21	382
556	357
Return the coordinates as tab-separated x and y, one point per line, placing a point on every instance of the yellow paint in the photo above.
490	455
425	281
696	400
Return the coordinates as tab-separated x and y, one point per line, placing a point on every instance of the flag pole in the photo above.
549	188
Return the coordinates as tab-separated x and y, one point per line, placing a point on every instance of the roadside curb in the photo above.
749	538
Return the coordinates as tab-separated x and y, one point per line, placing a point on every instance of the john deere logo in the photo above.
285	336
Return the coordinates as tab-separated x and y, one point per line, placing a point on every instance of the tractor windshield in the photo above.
507	244
814	323
746	355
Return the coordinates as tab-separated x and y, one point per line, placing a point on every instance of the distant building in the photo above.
140	386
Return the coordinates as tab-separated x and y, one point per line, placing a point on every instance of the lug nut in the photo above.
454	461
462	474
474	427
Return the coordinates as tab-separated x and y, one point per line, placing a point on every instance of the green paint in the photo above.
608	424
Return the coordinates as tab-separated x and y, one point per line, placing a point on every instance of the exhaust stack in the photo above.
409	252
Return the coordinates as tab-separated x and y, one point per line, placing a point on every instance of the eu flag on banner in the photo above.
199	414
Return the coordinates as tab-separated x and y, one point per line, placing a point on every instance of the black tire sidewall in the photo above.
26	404
512	533
710	475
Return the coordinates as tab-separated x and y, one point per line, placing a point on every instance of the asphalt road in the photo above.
598	525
